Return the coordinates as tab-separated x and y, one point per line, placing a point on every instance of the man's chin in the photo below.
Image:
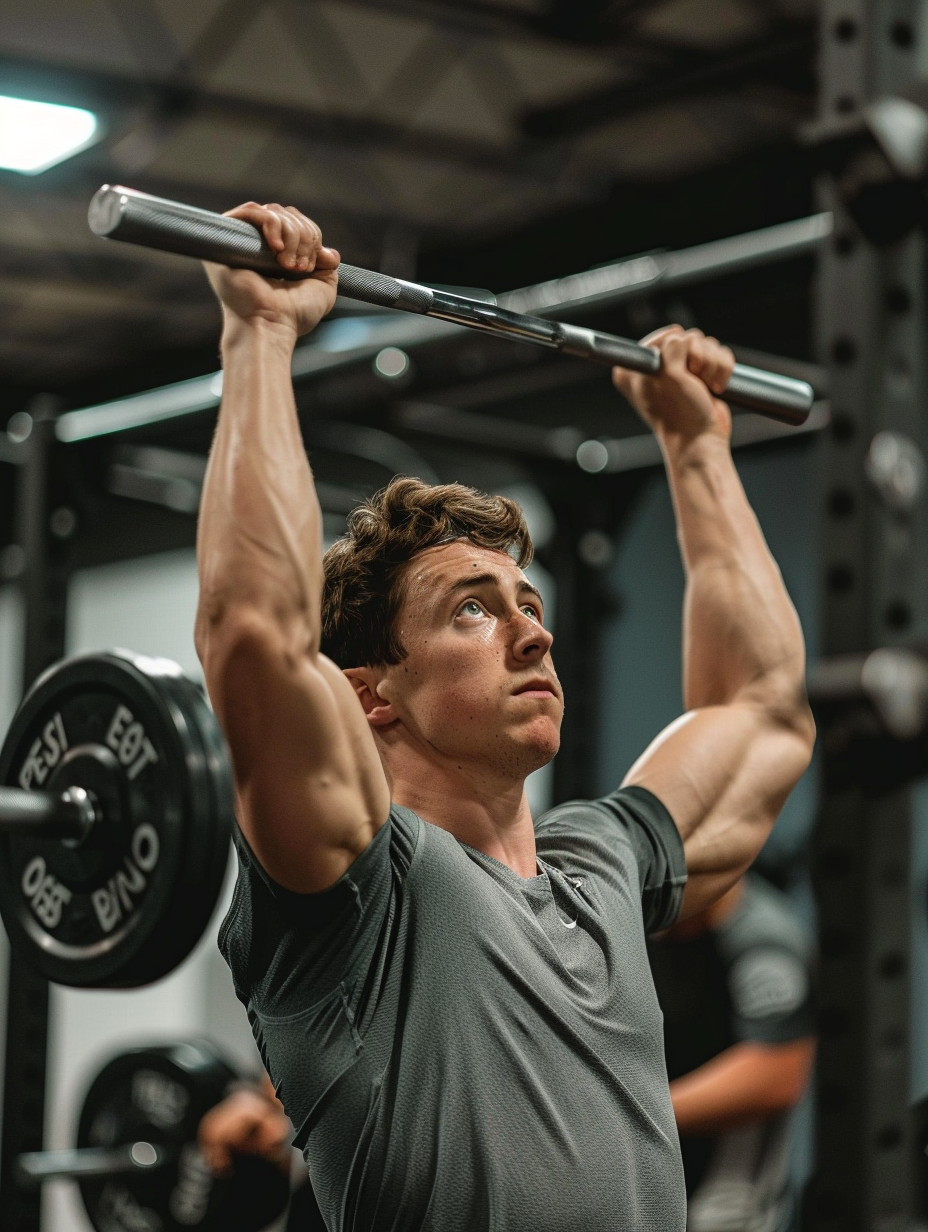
539	751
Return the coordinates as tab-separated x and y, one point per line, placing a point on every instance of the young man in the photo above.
454	1003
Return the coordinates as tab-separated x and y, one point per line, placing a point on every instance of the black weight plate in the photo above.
125	907
156	1095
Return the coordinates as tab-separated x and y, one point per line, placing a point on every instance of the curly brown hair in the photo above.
363	584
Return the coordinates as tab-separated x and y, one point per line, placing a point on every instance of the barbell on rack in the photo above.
125	214
116	808
137	1161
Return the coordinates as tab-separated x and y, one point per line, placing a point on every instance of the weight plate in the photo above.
127	905
156	1095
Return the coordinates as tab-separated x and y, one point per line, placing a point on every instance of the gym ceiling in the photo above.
493	142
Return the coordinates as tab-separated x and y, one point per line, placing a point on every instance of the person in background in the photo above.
734	985
251	1121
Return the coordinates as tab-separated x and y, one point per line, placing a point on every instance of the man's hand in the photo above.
680	400
297	307
250	1121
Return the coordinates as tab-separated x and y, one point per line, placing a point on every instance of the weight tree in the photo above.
872	329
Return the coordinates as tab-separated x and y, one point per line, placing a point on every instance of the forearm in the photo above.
259	539
741	633
744	1084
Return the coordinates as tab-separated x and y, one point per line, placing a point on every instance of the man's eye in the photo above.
533	612
471	608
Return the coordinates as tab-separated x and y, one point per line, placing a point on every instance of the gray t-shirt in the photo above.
461	1049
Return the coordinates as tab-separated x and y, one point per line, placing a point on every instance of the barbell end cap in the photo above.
105	210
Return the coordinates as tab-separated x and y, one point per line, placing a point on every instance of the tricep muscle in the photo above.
311	790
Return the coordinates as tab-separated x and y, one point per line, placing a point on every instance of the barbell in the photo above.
116	813
137	1161
121	213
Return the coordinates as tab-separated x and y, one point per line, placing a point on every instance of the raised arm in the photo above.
311	790
725	768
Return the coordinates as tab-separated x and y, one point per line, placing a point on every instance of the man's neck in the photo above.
487	811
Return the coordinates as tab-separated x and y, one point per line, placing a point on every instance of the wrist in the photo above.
696	448
257	332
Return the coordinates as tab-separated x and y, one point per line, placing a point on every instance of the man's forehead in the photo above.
438	567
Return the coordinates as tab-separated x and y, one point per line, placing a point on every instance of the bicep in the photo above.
311	790
723	773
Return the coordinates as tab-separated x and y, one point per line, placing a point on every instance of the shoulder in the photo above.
628	838
630	821
271	931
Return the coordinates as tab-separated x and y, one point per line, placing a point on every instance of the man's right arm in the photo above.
311	790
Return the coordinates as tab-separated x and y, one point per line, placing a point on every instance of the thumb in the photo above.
622	380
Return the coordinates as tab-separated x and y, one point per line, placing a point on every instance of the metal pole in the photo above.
44	596
871	321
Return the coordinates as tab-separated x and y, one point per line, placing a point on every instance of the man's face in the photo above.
477	683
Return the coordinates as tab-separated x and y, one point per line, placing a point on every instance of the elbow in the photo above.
786	710
803	724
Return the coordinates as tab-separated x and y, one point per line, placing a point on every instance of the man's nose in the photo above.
532	640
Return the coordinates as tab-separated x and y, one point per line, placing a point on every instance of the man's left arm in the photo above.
725	768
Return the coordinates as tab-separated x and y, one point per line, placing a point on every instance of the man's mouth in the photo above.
535	688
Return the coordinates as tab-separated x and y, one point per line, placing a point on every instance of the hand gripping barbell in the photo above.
137	1161
116	809
124	214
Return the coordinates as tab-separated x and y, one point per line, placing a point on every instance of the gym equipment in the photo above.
137	1161
115	820
123	213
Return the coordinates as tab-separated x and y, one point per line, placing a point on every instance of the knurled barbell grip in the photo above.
36	1167
67	815
776	396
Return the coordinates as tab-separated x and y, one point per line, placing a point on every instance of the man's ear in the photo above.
367	682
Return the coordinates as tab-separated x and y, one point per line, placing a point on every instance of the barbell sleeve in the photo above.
68	814
121	213
36	1167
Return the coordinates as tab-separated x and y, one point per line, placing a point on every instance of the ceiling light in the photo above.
35	136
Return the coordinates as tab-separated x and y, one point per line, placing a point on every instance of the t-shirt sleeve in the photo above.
628	822
286	950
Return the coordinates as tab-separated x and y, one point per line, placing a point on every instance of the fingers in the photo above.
246	1123
296	239
690	350
709	360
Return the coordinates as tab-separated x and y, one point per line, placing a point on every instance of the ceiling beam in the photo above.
117	95
784	59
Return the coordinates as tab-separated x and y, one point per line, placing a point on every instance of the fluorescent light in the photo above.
35	136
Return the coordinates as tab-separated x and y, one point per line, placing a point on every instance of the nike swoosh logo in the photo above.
568	923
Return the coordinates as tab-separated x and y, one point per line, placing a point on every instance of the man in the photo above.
454	1004
734	985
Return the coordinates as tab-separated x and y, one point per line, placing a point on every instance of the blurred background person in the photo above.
251	1121
734	984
